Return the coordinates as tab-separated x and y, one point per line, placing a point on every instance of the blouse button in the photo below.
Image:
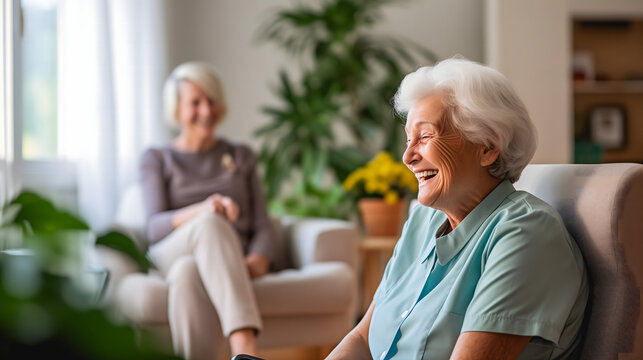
406	312
383	355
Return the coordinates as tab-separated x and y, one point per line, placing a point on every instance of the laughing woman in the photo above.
481	271
206	220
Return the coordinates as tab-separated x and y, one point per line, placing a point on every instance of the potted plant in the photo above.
47	307
349	74
382	188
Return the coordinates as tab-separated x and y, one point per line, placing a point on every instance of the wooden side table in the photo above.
375	251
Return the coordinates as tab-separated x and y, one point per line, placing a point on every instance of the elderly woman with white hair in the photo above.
481	271
207	221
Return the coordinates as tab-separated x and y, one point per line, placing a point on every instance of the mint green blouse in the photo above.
509	267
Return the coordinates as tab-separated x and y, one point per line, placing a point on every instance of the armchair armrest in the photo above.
130	215
317	240
118	265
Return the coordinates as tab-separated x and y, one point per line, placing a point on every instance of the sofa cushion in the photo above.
142	298
318	288
321	288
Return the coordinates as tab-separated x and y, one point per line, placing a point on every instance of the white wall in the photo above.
222	32
529	42
445	26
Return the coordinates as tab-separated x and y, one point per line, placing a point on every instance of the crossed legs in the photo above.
208	284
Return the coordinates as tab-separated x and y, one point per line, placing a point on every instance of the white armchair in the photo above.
602	207
310	303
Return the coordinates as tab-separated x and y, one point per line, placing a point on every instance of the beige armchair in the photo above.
602	206
310	303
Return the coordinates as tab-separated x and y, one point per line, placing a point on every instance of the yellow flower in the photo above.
382	177
391	197
350	181
383	157
371	186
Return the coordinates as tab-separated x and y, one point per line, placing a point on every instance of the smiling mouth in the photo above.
205	122
424	176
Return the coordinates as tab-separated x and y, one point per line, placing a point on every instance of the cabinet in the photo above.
608	89
532	43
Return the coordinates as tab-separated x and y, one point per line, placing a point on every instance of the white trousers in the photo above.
208	285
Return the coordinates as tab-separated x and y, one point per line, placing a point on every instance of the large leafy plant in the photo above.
347	79
46	306
36	217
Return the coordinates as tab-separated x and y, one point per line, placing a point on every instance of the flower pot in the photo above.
380	218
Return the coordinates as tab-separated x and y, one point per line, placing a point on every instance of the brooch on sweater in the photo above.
228	162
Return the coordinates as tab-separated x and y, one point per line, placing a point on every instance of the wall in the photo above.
222	32
606	8
528	41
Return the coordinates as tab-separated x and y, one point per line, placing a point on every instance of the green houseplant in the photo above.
348	77
45	306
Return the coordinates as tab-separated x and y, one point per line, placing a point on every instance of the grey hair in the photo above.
201	74
481	105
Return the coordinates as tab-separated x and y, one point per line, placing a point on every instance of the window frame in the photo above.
7	101
51	175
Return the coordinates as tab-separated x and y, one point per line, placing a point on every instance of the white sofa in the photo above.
310	303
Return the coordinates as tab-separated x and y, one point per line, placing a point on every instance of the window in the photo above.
30	134
39	137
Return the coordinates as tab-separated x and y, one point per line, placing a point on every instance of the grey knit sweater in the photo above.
172	179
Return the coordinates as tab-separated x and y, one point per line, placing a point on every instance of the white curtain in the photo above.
6	102
111	71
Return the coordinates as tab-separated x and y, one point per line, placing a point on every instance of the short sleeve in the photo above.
529	280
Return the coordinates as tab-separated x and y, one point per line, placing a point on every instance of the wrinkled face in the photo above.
446	165
197	113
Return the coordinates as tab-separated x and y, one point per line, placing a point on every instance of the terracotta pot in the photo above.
380	218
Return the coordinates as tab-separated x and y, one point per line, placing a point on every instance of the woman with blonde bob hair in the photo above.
199	73
468	278
207	221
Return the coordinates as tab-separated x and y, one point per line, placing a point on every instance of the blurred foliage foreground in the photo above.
50	290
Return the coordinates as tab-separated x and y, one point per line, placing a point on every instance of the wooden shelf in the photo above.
375	251
378	243
609	87
617	54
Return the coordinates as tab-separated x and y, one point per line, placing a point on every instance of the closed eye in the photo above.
426	137
422	138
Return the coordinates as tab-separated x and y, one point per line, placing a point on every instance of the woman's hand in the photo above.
223	205
257	265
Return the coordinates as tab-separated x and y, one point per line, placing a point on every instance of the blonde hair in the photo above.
201	74
482	105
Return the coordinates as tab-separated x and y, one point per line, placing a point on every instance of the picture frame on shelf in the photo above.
608	127
583	66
